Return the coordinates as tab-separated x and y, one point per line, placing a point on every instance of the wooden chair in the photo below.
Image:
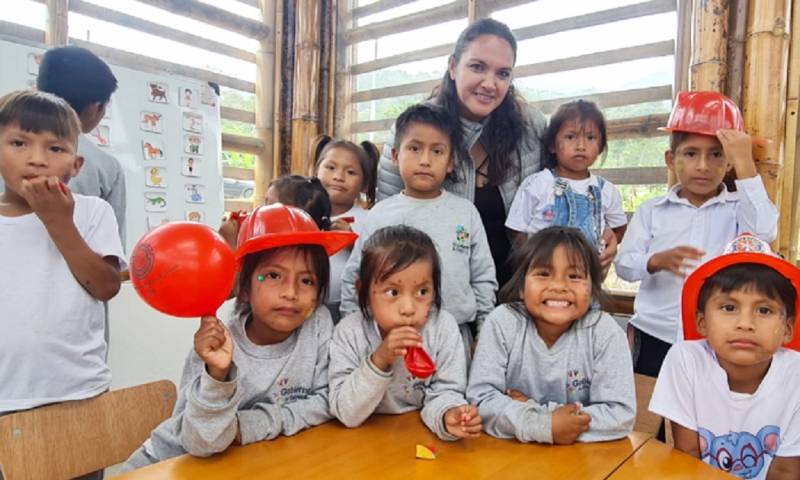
70	439
646	421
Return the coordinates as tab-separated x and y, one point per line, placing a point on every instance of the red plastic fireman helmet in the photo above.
278	225
704	113
744	249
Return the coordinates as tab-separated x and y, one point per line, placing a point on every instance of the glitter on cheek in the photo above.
261	277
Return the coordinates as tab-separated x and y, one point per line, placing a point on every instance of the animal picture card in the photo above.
155	201
34	60
155	177
195	216
208	96
157	92
193	122
153	149
193	144
101	135
150	122
156	220
195	193
190	166
187	97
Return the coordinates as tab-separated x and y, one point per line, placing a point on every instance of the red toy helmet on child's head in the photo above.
704	113
744	249
277	225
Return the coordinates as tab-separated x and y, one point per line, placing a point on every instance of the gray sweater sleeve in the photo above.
612	393
502	416
349	299
482	271
265	421
208	423
449	382
357	386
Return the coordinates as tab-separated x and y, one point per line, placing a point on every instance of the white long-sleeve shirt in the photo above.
670	221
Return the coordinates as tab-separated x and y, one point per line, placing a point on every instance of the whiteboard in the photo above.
168	141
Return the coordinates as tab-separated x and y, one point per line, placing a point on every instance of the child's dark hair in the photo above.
39	111
392	249
366	152
315	255
305	193
538	250
428	114
581	111
746	276
77	75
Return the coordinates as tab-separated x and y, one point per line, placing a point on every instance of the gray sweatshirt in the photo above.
358	388
590	364
454	225
271	390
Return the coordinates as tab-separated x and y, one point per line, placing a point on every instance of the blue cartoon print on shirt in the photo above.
740	453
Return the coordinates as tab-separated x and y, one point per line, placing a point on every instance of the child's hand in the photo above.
229	230
516	395
738	148
214	345
677	260
463	421
568	423
396	343
49	198
610	247
341	225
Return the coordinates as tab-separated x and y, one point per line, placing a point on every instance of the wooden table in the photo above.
657	461
384	447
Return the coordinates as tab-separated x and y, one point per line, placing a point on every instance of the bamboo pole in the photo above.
683	55
791	152
709	53
344	112
764	92
737	32
329	113
265	102
276	92
57	30
287	79
305	115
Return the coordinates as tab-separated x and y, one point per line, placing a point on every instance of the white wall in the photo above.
146	345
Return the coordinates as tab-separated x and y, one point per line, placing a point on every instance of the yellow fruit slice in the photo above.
425	453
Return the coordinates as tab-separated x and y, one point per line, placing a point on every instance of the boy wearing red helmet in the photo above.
669	235
730	391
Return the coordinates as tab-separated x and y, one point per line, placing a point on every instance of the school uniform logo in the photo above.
578	386
288	393
461	244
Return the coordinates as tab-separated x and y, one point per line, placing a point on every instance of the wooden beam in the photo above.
213	16
251	3
238	173
57	30
425	18
394	91
683	47
16	32
141	62
277	86
633	175
237	115
652	7
265	103
377	7
407	57
240	143
613	99
108	15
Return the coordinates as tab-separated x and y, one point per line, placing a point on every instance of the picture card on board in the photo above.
190	166
155	177
193	122
101	135
153	149
157	92
195	193
193	144
155	201
150	122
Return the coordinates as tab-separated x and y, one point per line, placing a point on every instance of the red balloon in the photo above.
419	363
184	269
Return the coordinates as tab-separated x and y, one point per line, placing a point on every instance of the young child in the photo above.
400	307
347	171
423	153
547	368
265	373
60	254
693	221
732	395
565	192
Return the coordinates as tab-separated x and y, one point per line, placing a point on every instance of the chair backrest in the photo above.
646	421
69	439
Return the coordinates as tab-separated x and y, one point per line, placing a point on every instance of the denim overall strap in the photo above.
576	210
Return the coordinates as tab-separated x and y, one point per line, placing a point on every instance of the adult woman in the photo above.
500	139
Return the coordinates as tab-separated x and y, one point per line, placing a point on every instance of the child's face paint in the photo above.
577	146
699	163
403	298
341	175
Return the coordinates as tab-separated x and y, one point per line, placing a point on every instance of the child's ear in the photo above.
395	160
77	164
700	321
669	159
789	330
451	67
451	165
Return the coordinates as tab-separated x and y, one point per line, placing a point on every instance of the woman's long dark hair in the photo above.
503	133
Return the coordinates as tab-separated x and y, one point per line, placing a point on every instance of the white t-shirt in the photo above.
339	260
739	433
53	346
532	208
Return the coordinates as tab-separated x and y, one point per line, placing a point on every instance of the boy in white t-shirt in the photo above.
732	397
60	254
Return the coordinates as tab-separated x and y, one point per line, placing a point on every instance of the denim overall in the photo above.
584	212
